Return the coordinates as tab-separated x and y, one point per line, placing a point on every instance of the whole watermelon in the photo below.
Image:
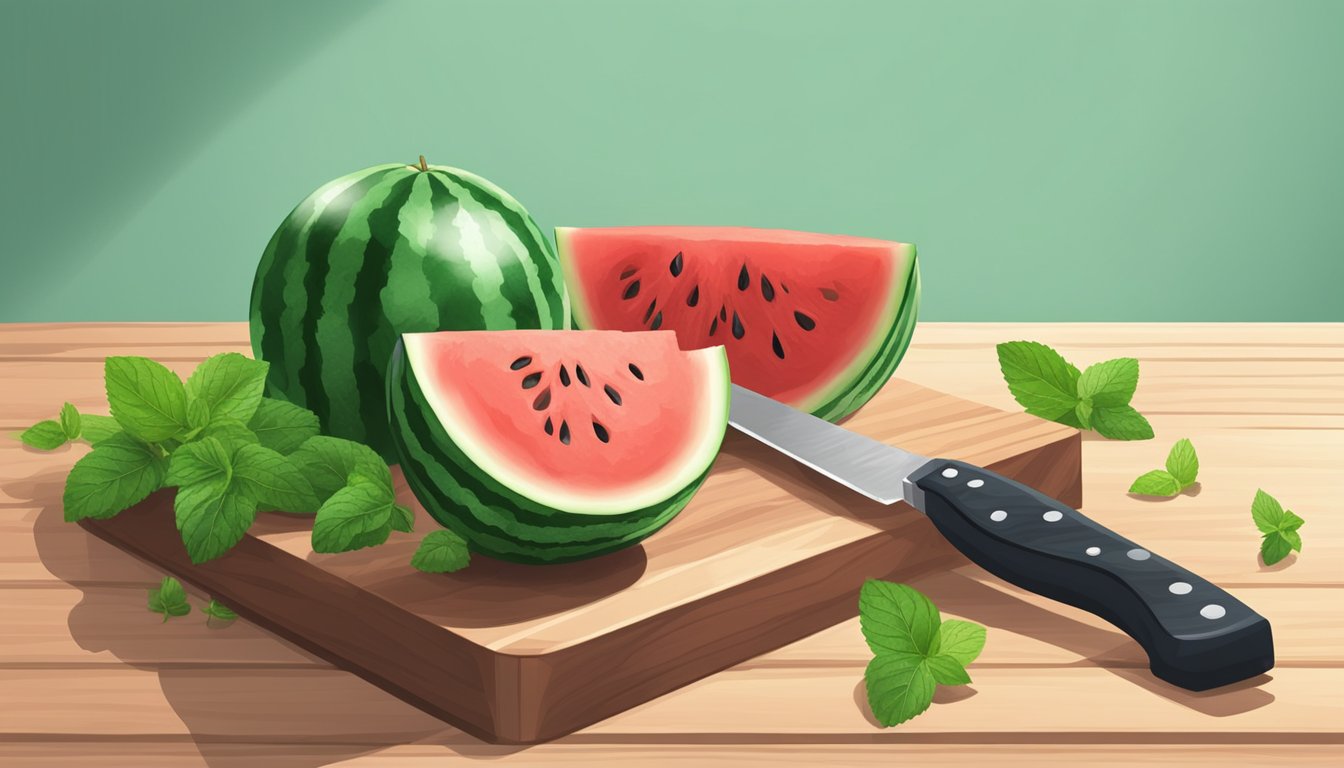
386	250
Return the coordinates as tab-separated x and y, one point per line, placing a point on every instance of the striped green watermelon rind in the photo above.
386	250
496	520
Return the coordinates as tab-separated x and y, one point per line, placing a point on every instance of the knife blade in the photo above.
1196	635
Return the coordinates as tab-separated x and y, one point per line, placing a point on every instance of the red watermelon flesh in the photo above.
817	321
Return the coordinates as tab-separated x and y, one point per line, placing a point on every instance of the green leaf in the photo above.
899	686
203	461
230	384
212	516
1290	522
1084	413
1276	546
70	421
1121	423
328	462
117	473
1111	383
198	413
403	519
896	618
1183	463
283	426
947	670
44	436
1156	483
271	479
441	552
961	640
95	429
1041	380
231	433
356	516
1279	527
147	399
1266	512
170	599
219	611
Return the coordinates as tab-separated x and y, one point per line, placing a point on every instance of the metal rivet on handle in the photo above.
1093	551
950	472
998	515
976	483
1053	516
1213	611
1179	588
1139	554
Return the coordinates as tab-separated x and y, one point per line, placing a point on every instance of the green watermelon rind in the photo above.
346	273
496	520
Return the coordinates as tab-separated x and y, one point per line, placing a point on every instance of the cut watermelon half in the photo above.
816	321
544	446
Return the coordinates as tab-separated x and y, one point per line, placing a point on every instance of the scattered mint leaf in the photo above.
441	552
1041	380
961	640
219	611
203	461
230	384
44	436
271	479
147	399
328	463
283	426
70	421
899	685
402	519
119	472
212	515
1278	526
896	618
231	433
356	516
1183	463
1111	383
1121	422
94	429
170	599
947	670
1159	482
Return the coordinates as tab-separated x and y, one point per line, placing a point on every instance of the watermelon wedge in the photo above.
816	321
547	446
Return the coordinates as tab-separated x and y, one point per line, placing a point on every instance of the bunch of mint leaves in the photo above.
231	452
1182	471
1277	526
1048	386
914	649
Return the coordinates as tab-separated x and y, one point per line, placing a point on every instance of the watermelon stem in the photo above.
423	166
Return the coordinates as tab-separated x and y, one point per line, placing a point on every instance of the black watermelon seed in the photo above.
649	312
738	330
767	290
564	432
635	370
829	295
776	346
521	362
631	291
583	376
713	326
564	376
784	285
550	428
694	297
531	380
612	393
601	432
657	322
543	400
804	322
723	313
675	269
743	279
628	272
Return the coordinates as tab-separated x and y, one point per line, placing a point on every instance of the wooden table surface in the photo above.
89	677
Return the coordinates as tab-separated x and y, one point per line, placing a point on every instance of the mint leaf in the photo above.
896	618
230	384
328	463
947	670
356	516
1266	512
961	640
271	479
402	519
147	399
441	552
1040	379
94	429
198	413
1121	423
283	426
1156	483
1111	383
70	421
212	515
1183	463
1274	547
44	436
899	685
1279	527
170	599
231	433
117	473
219	611
204	461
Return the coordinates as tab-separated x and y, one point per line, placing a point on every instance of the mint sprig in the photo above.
915	650
1048	386
170	599
1278	528
1182	471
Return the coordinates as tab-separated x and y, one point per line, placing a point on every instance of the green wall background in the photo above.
1053	159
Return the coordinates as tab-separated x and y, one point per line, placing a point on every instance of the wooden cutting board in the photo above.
766	553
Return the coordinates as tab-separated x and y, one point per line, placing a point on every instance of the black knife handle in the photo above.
1196	635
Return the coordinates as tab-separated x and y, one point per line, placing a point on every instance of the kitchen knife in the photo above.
1196	635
